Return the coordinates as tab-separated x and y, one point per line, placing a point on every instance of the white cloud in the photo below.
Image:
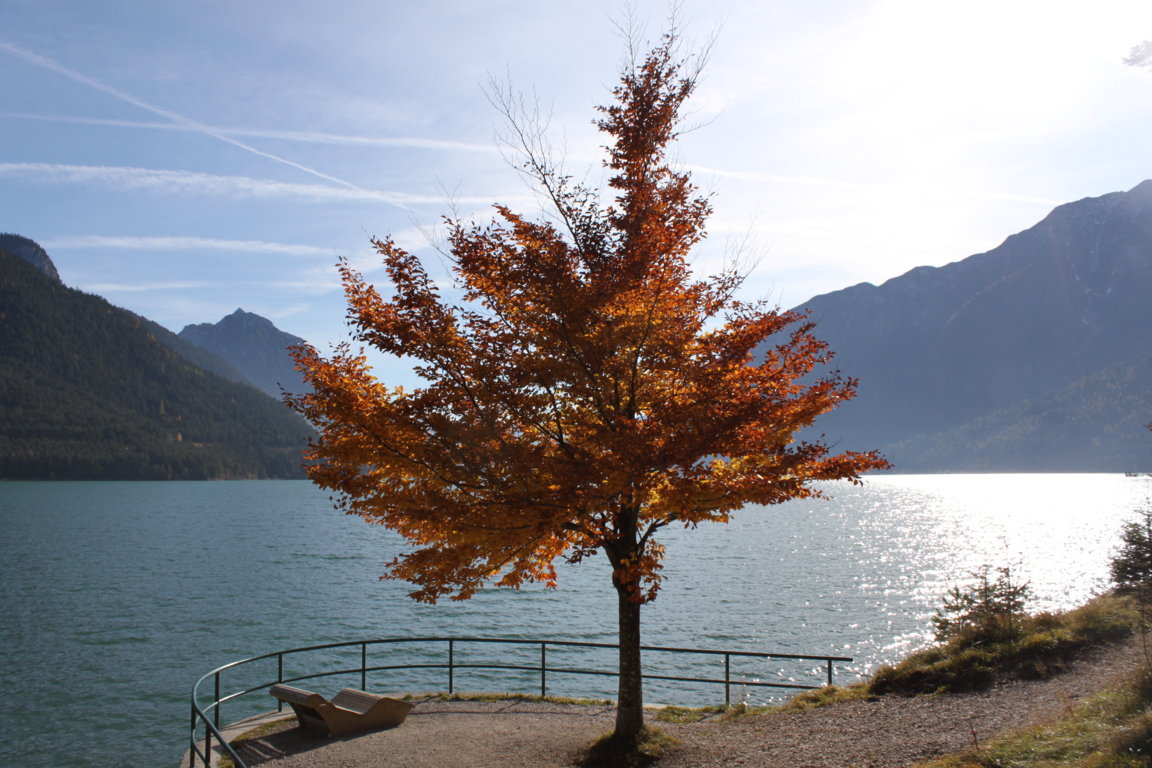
316	281
191	182
310	137
282	312
176	243
102	288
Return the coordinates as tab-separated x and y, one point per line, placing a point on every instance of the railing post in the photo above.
279	679
192	741
216	707
727	679
829	671
451	662
364	666
208	731
543	669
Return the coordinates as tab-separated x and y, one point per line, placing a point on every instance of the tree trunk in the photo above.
623	553
630	700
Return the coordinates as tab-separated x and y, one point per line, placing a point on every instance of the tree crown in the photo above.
585	392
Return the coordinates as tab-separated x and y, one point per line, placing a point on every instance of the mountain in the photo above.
1095	424
89	392
253	346
31	252
34	254
201	358
1033	356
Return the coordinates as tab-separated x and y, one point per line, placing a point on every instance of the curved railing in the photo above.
206	719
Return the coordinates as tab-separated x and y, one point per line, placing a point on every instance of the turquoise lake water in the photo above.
116	597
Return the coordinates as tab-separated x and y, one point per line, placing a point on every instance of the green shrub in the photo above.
1132	564
988	610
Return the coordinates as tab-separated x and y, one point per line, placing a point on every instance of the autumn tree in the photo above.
584	392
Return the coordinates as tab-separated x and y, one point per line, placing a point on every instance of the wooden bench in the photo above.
350	711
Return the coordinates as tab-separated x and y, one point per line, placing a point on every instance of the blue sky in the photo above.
187	158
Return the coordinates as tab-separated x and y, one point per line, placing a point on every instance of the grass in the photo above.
677	714
1038	647
829	694
1113	729
608	752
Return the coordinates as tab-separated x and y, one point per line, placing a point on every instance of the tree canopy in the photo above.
586	391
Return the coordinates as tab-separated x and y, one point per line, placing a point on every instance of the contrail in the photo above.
183	181
164	243
186	122
310	137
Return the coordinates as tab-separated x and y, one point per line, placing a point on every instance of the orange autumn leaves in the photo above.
586	390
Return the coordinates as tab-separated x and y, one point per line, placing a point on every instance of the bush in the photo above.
1132	564
988	610
1132	571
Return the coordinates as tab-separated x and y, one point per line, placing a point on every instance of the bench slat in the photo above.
356	701
296	695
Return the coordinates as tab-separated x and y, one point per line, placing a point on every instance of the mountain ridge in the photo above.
1033	356
90	392
252	345
940	347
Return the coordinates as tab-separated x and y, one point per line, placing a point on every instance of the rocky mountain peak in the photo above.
254	346
30	251
242	321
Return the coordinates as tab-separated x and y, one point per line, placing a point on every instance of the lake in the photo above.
116	597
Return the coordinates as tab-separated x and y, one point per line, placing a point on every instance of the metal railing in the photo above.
206	719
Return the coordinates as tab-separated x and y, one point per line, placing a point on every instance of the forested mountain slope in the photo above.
1030	357
89	393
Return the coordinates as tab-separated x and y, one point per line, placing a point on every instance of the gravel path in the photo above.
891	733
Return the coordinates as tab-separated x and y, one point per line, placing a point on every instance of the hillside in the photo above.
90	393
1030	357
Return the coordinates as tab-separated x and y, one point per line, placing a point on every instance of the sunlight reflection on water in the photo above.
133	590
860	574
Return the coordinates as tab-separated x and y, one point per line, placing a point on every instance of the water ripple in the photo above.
133	590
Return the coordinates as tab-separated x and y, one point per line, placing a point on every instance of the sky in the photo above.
185	159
